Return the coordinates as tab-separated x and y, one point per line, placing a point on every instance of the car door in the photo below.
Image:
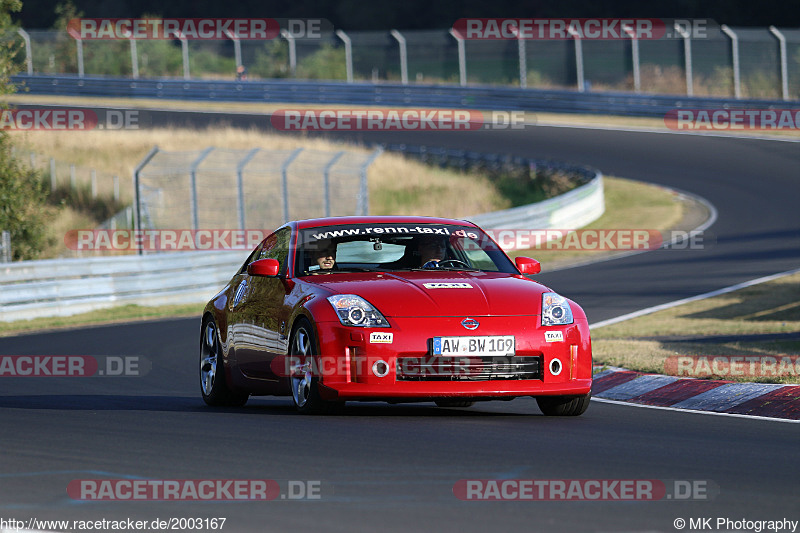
265	312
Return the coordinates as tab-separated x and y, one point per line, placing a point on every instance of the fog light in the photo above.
555	367
380	368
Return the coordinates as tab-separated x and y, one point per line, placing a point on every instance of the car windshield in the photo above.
393	247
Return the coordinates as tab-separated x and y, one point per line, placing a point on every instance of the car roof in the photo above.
337	221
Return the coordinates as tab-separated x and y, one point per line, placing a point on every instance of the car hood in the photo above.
423	294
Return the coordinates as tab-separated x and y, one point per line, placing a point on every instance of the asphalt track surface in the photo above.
393	468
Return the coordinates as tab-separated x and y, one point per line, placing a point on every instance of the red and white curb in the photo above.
717	396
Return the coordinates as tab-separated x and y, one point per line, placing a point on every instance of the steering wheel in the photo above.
454	262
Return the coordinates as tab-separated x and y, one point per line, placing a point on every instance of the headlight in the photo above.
356	311
555	310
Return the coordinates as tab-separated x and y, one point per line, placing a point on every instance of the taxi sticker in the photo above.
444	285
554	336
381	338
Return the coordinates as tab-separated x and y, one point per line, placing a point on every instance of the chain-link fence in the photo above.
219	188
742	62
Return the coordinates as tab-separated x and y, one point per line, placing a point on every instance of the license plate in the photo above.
485	345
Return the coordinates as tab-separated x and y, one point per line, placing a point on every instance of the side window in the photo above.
276	246
250	259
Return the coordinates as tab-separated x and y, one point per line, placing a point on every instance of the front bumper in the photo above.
349	357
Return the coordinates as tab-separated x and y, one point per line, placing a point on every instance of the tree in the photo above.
22	197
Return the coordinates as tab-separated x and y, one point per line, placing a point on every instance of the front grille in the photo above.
468	368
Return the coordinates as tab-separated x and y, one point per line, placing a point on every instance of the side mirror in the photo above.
526	265
264	267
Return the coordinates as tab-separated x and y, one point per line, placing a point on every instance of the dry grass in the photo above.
768	308
397	185
629	205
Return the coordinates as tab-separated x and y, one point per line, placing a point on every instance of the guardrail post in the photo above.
240	185
326	181
687	57
401	41
578	58
193	185
285	182
28	52
348	54
137	197
784	66
737	83
363	195
462	58
292	52
637	76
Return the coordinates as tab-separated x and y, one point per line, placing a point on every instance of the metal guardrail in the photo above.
58	287
388	94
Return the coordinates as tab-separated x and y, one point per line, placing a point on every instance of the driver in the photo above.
431	251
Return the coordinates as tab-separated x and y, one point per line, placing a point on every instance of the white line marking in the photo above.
695	411
703	296
644	129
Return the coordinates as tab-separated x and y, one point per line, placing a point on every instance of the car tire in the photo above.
454	403
563	405
303	382
213	384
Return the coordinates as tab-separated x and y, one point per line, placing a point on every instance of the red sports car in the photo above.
396	309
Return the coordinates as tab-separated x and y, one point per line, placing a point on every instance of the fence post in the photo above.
79	43
134	59
193	185
240	185
348	54
401	41
578	58
28	52
116	188
137	199
326	181
292	52
637	76
784	66
73	182
462	58
285	182
5	246
94	183
523	61
363	195
237	49
52	175
737	81
687	57
185	53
